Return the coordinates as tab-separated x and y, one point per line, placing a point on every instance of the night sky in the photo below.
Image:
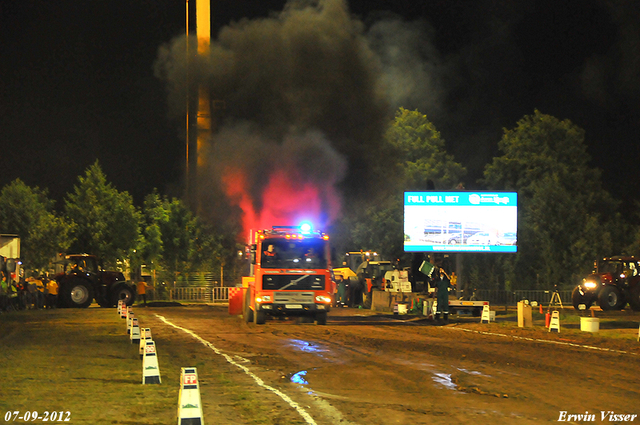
77	81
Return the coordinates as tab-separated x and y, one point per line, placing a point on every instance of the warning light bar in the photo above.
291	232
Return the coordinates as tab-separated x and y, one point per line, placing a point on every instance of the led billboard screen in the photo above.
460	221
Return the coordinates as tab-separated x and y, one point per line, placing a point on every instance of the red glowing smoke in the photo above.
285	201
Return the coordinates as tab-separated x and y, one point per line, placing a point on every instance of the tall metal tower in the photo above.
198	119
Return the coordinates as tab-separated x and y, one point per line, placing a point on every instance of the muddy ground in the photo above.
366	368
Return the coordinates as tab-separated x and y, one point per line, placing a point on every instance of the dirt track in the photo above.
368	369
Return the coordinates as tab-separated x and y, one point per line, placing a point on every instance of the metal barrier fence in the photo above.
205	294
219	294
502	297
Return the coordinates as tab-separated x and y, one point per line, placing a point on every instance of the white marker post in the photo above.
130	317
150	368
189	402
135	331
145	335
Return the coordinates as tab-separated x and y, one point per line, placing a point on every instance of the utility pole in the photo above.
198	121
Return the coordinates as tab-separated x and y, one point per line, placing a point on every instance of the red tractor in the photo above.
614	283
83	279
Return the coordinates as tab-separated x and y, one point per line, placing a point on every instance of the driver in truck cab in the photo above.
310	256
270	254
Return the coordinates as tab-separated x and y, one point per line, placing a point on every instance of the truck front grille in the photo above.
293	297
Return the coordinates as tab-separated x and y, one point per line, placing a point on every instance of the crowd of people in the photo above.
35	292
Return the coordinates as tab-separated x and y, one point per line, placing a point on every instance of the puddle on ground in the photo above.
299	378
319	350
308	347
419	366
474	372
444	379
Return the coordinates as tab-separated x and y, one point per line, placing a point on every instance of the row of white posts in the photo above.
189	402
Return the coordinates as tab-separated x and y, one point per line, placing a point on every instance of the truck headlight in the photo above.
263	299
323	299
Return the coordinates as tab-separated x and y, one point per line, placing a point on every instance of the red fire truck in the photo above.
290	275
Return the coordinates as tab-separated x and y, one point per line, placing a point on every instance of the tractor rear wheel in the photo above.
122	292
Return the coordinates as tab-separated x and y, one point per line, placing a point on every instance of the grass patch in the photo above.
81	362
243	400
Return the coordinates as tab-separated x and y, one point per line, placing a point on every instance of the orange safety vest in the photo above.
39	285
142	288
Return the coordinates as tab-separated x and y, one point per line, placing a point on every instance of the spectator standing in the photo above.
443	285
30	290
341	296
142	290
4	292
52	296
14	301
40	293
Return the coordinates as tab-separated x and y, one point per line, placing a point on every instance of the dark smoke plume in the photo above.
301	90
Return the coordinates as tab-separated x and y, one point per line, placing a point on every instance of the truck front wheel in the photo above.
321	318
247	312
610	298
259	317
78	293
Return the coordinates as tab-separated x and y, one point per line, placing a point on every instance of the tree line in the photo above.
566	218
98	219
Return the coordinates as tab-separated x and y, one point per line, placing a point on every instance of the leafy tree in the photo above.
150	247
177	240
28	212
564	214
421	153
108	224
178	231
417	153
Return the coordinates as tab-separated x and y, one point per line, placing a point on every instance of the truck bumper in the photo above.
278	309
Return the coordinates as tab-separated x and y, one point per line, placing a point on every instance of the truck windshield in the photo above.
293	254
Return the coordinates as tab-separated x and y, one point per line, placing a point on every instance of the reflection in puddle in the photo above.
473	372
298	378
307	346
412	363
444	379
319	350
